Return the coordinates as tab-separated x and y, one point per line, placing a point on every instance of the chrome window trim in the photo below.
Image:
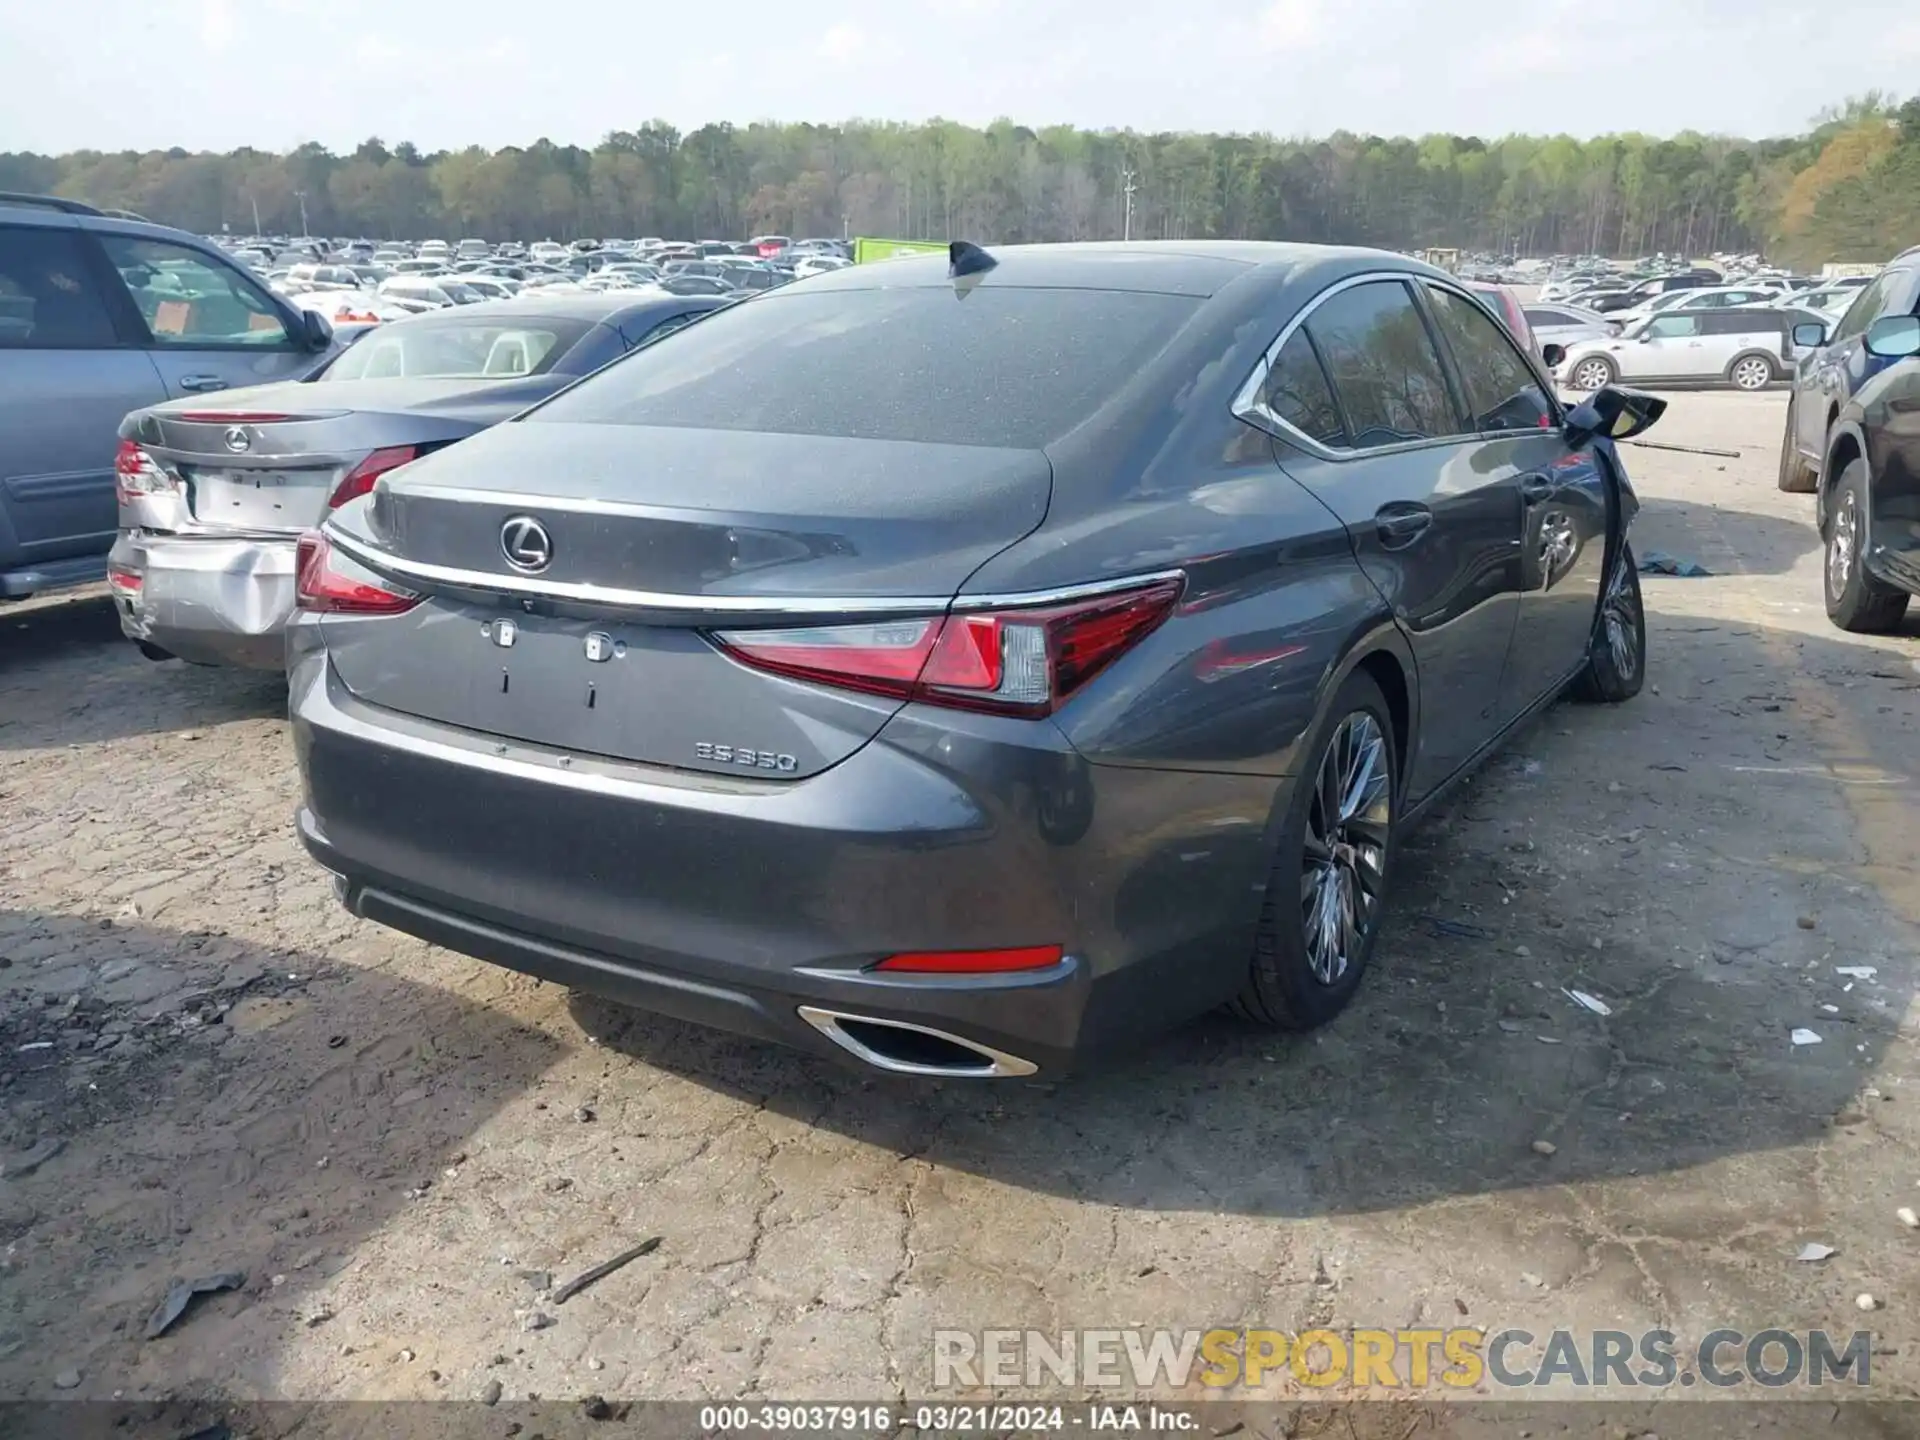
1248	406
534	588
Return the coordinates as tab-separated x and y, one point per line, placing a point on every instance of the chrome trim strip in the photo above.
999	1065
1248	406
590	594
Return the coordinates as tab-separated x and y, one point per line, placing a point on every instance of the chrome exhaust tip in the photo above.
907	1049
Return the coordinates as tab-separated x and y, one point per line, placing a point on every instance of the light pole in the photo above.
301	196
1127	190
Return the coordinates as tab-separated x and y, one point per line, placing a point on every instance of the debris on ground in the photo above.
537	1320
1459	929
1857	972
1906	1216
605	1268
67	1380
32	1158
1658	562
490	1393
1806	922
1588	1002
1544	1147
1813	1252
180	1294
1864	1301
1803	1036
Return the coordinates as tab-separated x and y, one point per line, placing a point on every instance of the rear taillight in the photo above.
125	583
1014	661
231	417
136	473
359	480
327	583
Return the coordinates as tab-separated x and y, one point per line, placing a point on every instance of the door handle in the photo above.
202	382
1535	488
1402	524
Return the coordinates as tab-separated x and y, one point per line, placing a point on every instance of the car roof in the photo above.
1179	267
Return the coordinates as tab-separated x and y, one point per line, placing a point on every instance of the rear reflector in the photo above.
135	472
359	480
1013	662
327	583
974	962
126	583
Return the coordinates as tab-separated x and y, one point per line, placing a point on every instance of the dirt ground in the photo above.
393	1143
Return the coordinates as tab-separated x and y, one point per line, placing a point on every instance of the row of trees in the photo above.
1849	189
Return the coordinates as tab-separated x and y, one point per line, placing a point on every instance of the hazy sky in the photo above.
215	74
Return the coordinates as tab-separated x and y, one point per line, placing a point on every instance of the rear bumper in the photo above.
210	600
739	904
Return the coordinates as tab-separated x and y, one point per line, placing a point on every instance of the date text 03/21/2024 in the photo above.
944	1419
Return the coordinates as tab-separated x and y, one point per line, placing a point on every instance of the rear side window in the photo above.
1383	364
1674	327
1742	322
1298	392
49	299
1007	367
1501	389
190	299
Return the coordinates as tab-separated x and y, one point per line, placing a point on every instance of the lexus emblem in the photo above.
526	544
237	439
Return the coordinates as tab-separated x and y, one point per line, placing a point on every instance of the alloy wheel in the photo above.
1591	374
1344	865
1841	545
1622	619
1753	373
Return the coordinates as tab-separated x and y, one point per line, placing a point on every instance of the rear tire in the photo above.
1593	372
1617	652
1797	477
1752	373
1329	886
1856	601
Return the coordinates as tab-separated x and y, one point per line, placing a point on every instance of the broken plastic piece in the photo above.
1803	1036
181	1292
1587	1002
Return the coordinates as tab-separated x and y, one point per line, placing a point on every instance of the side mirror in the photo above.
1894	337
1613	412
1812	335
316	330
1553	355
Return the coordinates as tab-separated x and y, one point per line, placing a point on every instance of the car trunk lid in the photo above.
267	460
654	535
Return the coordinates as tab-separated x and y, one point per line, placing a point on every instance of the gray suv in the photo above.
99	315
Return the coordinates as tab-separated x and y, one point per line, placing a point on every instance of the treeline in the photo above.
1848	189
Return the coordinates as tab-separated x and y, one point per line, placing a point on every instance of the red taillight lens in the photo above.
974	962
135	472
327	583
124	583
359	480
1015	662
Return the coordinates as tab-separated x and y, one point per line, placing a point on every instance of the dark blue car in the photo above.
1851	441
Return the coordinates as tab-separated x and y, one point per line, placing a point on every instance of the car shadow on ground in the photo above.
69	677
268	1116
1666	858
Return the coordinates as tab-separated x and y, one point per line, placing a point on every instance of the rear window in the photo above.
459	348
1007	367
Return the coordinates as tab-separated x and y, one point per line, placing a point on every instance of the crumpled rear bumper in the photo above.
211	600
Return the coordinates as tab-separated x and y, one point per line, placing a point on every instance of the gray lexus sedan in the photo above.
966	664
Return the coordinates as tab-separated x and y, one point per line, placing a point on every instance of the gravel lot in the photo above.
386	1137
